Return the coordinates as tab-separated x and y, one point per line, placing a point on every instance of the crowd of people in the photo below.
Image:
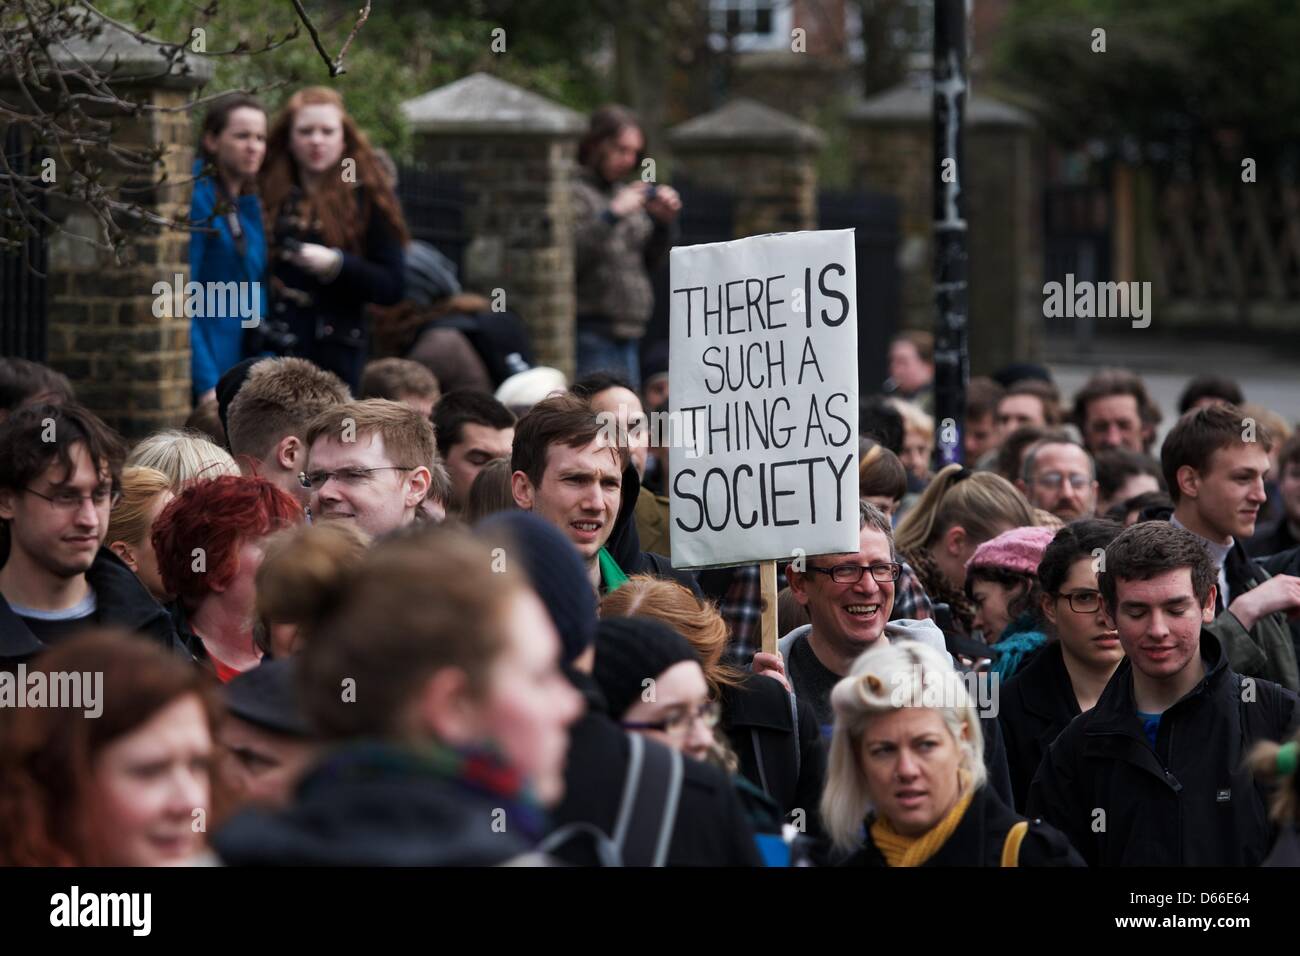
426	629
420	609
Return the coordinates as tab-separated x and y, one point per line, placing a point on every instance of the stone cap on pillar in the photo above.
745	124
910	103
115	54
482	103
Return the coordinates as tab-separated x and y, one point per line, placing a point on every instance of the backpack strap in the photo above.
647	814
1011	848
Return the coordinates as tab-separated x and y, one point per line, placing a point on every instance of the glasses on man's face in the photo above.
852	573
349	477
1054	479
105	496
1083	602
679	722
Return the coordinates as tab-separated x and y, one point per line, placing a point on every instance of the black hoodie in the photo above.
121	601
624	544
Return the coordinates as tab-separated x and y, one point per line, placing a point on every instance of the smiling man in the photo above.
1154	774
1214	461
59	471
849	598
368	463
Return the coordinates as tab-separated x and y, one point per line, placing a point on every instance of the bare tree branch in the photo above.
335	65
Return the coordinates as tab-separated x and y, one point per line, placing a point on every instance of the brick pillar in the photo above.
130	367
513	152
891	152
772	157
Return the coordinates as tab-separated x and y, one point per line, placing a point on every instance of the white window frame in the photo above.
778	39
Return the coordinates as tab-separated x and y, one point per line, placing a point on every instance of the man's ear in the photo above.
443	706
126	553
1207	611
522	490
1023	488
798	584
289	453
1189	481
7	496
419	486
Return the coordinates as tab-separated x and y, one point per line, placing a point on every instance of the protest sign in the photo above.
763	391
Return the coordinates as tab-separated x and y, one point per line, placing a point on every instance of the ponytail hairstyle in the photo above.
334	205
416	603
983	503
1274	765
298	564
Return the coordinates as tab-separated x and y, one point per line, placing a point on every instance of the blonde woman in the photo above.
907	763
145	493
918	438
182	456
958	512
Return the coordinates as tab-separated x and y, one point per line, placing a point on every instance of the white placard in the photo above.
763	393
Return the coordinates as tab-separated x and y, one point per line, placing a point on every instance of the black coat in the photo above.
330	322
1271	539
1189	802
355	809
711	828
624	544
980	837
122	601
758	722
1034	707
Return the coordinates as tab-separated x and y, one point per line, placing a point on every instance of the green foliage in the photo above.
1176	74
404	49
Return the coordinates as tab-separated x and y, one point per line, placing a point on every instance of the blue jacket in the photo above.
217	344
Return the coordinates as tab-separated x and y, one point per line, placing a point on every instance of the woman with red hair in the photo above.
209	544
122	779
336	234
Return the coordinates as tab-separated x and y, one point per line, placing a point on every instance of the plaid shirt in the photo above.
910	599
742	607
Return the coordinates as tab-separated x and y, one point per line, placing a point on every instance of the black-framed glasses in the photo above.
852	573
350	477
67	500
1083	602
678	724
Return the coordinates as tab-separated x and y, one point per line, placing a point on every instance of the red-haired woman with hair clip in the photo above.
336	234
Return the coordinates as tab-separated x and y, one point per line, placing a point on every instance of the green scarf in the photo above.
611	575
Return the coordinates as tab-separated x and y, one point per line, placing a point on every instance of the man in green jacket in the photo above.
1214	461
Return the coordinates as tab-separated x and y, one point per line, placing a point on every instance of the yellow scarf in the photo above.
900	850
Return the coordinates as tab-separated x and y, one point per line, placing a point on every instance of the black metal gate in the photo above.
23	295
707	216
434	206
1076	241
874	217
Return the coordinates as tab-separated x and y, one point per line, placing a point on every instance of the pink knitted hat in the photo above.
1019	550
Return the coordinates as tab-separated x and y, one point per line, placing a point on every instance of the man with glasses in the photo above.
849	598
369	463
59	471
1059	476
